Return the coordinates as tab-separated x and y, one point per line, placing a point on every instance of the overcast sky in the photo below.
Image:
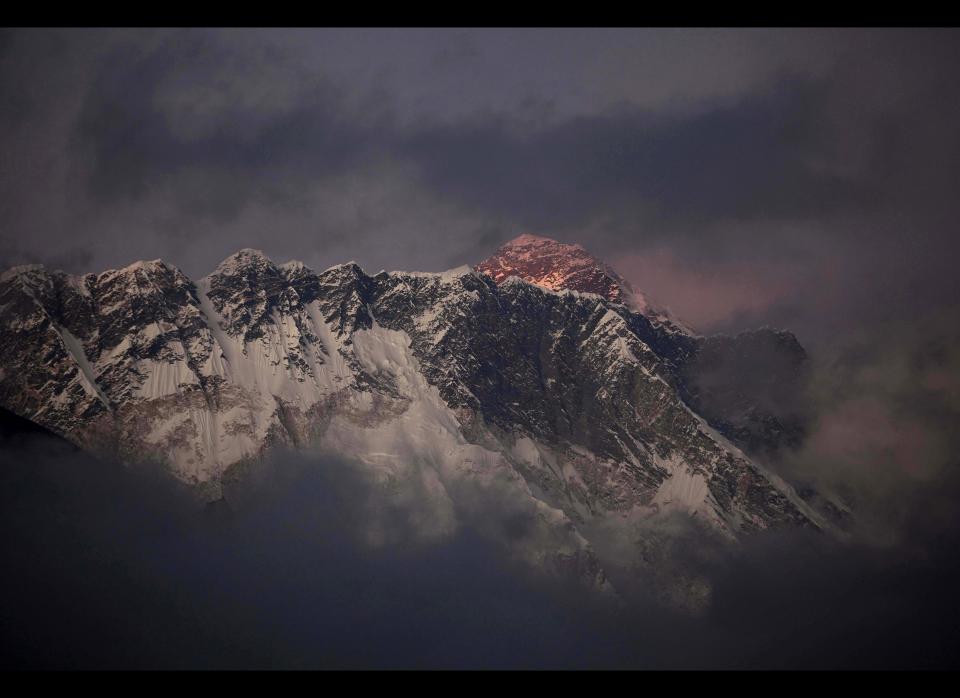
802	178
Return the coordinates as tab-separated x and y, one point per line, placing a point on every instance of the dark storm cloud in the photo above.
739	161
123	570
127	129
885	433
111	569
420	150
880	123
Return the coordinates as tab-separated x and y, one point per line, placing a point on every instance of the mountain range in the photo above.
539	380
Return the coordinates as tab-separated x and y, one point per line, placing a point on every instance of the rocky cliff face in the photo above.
747	386
567	405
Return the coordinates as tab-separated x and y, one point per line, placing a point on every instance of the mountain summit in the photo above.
560	266
556	266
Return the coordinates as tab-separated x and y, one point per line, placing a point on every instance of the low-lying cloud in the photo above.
109	568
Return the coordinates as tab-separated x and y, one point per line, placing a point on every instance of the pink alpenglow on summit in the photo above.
554	265
559	266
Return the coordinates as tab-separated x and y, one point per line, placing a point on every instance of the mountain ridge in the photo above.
570	404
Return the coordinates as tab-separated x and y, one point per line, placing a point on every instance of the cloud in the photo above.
818	162
109	568
711	296
114	569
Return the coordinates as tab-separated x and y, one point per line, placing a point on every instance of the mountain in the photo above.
566	409
748	386
558	266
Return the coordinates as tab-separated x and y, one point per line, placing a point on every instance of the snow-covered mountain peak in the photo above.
142	264
294	267
138	274
351	268
448	275
559	266
20	270
242	260
554	265
530	240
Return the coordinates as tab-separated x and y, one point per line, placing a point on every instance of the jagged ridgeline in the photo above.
547	381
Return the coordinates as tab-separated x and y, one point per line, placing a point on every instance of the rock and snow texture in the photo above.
558	266
555	266
744	385
565	405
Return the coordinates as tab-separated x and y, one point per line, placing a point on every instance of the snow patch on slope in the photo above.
683	490
88	377
420	440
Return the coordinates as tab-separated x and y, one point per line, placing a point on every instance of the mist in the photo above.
108	567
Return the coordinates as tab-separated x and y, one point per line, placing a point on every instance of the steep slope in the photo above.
747	386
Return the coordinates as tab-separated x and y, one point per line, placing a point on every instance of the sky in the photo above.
800	178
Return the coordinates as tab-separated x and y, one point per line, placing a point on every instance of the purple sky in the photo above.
803	178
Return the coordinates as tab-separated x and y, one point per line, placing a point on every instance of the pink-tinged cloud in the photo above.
865	434
707	297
